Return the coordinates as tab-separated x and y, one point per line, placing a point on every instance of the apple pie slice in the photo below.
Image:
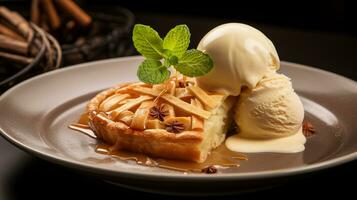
174	120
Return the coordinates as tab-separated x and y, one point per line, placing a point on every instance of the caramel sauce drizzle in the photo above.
220	158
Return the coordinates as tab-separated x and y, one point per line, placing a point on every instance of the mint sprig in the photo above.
161	54
152	71
177	40
147	42
194	63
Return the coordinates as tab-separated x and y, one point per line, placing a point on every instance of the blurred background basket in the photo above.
110	37
64	33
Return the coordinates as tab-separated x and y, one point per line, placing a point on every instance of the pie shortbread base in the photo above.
188	145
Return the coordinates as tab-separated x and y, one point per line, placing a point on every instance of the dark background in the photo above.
329	15
322	34
318	33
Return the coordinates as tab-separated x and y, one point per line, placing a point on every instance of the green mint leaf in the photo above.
172	51
173	60
147	42
151	71
194	63
166	53
177	40
167	63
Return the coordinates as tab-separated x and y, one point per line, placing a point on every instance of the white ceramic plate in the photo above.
36	113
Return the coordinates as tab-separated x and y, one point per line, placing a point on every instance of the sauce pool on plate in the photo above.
219	158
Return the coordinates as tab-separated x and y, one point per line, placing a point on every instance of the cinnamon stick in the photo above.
35	11
23	26
75	11
44	23
50	10
16	58
10	33
13	45
18	22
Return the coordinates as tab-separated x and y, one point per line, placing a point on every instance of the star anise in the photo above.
175	127
209	170
307	129
159	112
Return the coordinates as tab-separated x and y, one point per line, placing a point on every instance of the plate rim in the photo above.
168	176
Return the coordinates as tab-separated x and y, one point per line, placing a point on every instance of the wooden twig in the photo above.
35	11
57	49
13	45
10	33
75	11
49	8
16	58
49	50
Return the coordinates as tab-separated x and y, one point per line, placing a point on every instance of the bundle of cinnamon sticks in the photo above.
15	37
52	15
22	44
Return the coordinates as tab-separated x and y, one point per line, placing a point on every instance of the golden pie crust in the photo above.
186	127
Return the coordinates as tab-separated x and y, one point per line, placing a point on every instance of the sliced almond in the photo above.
190	81
183	93
103	117
128	105
125	101
197	123
155	124
196	103
141	84
112	102
125	116
121	86
169	87
158	87
170	110
141	115
186	121
203	96
146	91
126	87
122	90
218	97
184	81
186	107
180	83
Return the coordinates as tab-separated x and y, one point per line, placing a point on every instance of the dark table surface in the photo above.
23	176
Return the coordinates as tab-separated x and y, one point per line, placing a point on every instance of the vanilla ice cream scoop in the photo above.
269	117
270	110
241	54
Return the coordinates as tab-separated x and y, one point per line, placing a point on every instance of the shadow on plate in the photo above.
30	177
